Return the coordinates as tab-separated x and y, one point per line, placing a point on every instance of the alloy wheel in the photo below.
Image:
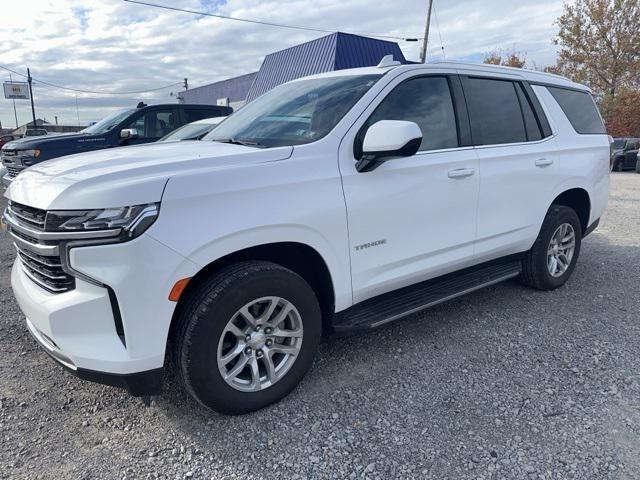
259	344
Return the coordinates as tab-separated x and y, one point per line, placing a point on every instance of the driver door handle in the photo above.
461	172
544	162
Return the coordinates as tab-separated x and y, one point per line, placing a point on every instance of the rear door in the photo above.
631	155
412	218
516	153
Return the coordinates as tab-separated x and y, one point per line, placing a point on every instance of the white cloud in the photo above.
110	45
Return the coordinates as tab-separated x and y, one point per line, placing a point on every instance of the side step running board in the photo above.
394	305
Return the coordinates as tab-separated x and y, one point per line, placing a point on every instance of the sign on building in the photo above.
16	90
223	102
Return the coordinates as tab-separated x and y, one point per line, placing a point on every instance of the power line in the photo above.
435	14
78	90
270	24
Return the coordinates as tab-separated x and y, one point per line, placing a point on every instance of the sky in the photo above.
115	46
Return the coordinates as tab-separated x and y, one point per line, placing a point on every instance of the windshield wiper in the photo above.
239	141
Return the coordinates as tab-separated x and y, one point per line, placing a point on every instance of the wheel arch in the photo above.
298	257
578	199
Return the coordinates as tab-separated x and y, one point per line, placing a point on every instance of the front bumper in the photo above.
140	384
78	328
5	180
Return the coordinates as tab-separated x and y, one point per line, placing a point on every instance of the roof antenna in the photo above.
388	61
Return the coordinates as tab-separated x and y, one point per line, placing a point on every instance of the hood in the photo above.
50	140
122	176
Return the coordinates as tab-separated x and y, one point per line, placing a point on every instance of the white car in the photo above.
193	131
336	203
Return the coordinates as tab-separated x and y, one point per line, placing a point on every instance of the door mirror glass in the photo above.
128	133
387	139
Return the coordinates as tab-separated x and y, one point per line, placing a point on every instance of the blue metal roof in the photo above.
235	89
336	51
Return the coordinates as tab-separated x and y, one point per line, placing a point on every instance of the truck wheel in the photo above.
247	336
551	260
619	166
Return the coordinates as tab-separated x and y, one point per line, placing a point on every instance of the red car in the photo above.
7	138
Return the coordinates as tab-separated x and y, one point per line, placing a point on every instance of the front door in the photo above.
412	218
153	125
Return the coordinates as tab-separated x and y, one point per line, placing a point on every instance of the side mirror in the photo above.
128	133
387	139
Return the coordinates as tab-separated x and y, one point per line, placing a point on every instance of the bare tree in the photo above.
599	44
506	58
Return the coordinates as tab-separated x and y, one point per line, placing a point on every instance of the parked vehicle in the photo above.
193	131
338	203
133	126
35	132
625	153
7	138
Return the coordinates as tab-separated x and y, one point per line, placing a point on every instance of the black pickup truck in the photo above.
143	124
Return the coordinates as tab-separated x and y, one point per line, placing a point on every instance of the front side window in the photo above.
580	109
295	113
494	110
427	102
154	124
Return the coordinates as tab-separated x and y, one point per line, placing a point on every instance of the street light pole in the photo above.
423	52
33	110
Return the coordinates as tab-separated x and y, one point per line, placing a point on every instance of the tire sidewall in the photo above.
199	354
556	217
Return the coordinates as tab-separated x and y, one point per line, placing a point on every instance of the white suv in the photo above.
334	203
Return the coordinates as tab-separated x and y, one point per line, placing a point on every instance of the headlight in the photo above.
133	220
35	153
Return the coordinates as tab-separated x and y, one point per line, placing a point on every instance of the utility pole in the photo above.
33	110
15	113
423	52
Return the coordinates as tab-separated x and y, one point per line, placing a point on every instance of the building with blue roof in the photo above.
336	51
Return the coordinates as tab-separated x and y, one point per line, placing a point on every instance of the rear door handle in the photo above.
461	172
543	162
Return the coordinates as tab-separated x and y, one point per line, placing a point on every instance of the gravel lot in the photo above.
504	383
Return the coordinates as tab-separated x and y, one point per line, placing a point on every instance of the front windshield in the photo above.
193	131
107	123
618	144
294	113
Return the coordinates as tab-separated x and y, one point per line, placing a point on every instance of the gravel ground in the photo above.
506	383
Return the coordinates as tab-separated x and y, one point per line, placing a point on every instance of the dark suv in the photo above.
142	124
625	153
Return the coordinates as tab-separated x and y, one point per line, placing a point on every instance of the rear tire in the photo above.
547	252
250	312
619	166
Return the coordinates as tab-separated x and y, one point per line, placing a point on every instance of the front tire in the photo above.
247	336
552	259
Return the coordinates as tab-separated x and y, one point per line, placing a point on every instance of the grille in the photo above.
34	217
12	172
45	270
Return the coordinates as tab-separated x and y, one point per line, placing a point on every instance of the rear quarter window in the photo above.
580	109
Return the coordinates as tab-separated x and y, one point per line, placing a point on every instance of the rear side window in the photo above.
427	102
580	109
191	115
494	111
531	124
